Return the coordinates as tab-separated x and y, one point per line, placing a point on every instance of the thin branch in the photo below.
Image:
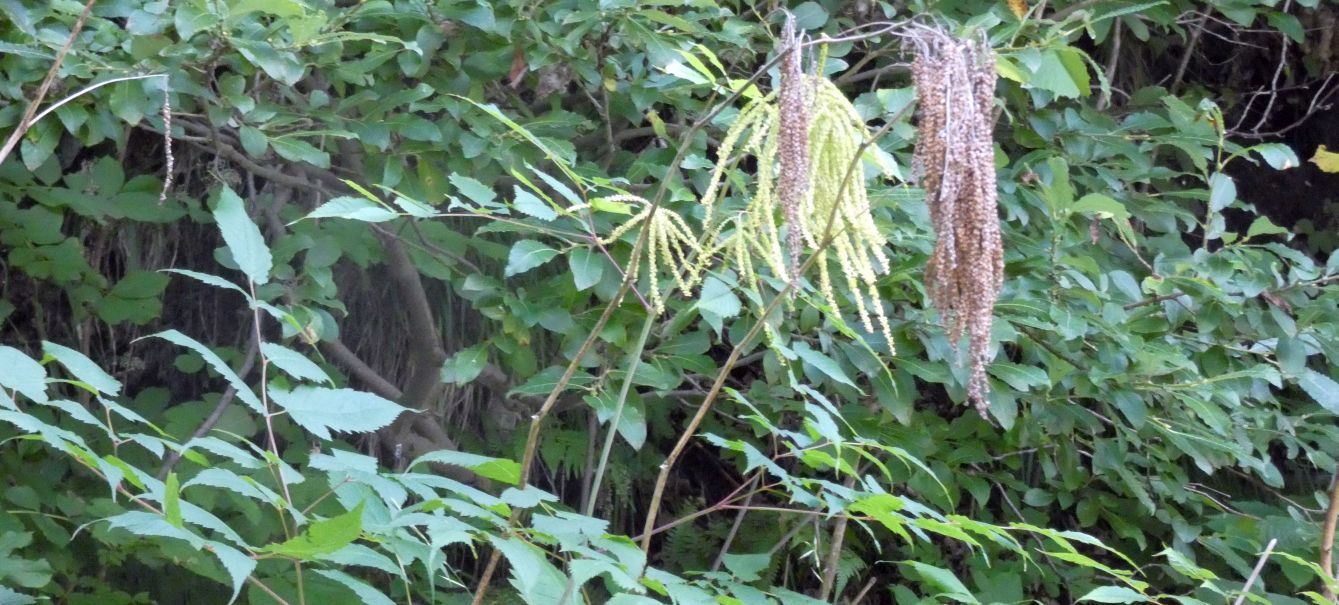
1185	58
373	380
27	120
248	362
1255	573
1327	537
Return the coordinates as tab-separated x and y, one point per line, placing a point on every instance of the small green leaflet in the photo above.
528	203
465	365
22	374
238	565
1322	388
172	501
717	302
478	192
254	142
498	469
321	410
242	237
526	255
587	267
537	580
82	368
353	208
746	568
298	150
294	363
822	363
944	580
1222	190
322	537
1113	594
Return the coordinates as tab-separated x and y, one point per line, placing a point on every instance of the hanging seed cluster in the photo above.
806	138
669	242
954	160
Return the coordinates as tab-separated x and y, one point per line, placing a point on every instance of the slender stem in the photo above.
1327	538
634	360
1255	573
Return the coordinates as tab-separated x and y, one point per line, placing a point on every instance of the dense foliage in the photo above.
325	301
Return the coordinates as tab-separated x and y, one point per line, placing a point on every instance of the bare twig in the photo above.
830	564
1185	58
1278	72
1327	538
248	362
27	120
1255	573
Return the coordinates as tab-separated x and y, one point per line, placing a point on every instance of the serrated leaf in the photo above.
243	391
526	255
22	374
1323	389
1019	377
537	580
1113	594
82	368
465	365
471	188
1263	226
498	469
717	302
238	565
353	208
1326	160
242	237
296	364
322	537
320	410
587	267
528	203
1102	205
212	280
150	525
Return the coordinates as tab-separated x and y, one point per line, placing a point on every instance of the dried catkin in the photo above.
954	161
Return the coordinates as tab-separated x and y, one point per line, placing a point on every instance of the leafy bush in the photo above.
393	240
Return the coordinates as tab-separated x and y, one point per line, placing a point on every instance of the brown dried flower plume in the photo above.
954	158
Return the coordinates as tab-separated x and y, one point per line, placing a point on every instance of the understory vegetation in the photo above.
706	302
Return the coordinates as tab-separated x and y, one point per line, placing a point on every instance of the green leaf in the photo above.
944	580
296	364
1113	594
172	501
747	568
528	203
717	302
1101	205
242	237
243	391
1222	191
537	580
1320	387
587	267
465	365
82	368
298	150
1058	72
1019	377
366	594
212	280
9	597
150	525
322	537
1278	155
822	363
22	374
478	192
497	469
254	141
353	208
526	255
321	410
238	565
1263	226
